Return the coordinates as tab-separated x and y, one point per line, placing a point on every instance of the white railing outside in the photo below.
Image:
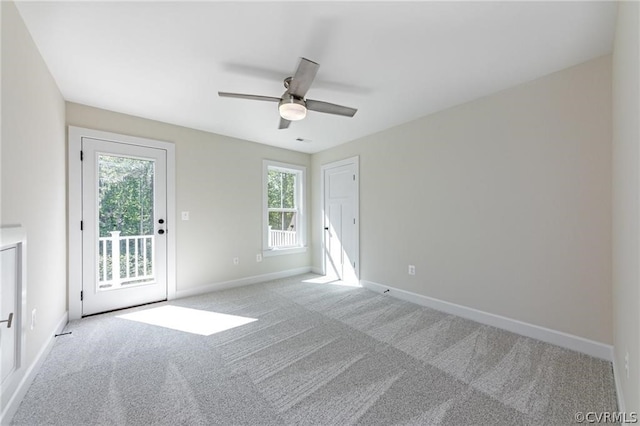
136	256
279	238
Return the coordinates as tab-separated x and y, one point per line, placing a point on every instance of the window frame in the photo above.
299	199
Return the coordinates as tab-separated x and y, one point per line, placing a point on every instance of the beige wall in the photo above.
219	181
502	204
33	174
626	204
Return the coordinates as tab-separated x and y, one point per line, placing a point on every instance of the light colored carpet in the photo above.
318	354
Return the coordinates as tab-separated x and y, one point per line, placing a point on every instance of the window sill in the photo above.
281	251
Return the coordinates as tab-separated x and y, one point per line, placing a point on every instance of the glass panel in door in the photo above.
125	215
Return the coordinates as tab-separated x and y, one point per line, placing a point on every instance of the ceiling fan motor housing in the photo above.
292	108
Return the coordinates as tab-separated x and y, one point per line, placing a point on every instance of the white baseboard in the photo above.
241	282
558	338
31	372
318	271
616	377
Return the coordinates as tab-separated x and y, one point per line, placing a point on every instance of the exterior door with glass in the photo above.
124	211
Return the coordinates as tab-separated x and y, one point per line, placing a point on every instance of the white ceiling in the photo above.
395	62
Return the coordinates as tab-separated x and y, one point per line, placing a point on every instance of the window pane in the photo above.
275	220
281	189
274	190
282	229
288	190
282	221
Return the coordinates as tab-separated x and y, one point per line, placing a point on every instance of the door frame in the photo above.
355	161
74	187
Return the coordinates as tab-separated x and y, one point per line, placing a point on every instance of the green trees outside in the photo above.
125	200
125	192
281	197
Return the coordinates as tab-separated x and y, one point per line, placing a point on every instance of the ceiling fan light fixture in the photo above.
292	109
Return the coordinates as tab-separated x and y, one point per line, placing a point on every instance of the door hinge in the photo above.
81	225
81	295
354	220
354	264
81	156
354	177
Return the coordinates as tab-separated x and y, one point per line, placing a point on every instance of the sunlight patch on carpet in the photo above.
188	320
331	280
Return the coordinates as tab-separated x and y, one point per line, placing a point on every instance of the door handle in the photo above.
326	228
9	320
160	231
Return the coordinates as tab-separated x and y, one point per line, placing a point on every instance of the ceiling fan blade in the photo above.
251	97
303	77
284	123
328	108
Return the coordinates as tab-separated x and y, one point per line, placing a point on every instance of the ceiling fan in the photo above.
292	105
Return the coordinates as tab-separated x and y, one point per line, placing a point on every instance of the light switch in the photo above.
185	215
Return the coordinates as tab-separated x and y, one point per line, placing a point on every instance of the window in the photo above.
283	208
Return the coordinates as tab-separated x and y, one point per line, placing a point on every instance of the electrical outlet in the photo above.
185	215
236	260
626	363
33	319
259	257
412	269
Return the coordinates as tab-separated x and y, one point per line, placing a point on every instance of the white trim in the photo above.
558	338
242	282
12	234
30	374
15	236
281	251
301	197
618	382
74	213
74	183
355	161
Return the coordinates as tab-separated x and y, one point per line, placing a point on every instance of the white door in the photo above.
341	221
124	211
8	313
